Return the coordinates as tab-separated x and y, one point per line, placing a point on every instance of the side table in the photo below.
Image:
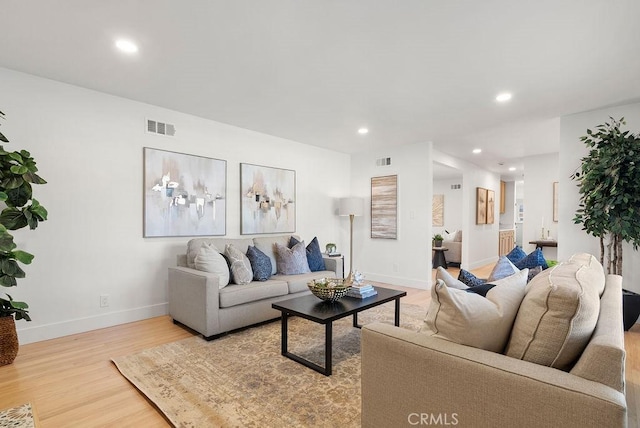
439	258
335	256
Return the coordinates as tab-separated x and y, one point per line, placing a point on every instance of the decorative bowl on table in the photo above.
329	289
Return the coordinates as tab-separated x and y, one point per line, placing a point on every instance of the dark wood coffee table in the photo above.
314	309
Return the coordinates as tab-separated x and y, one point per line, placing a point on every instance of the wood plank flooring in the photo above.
71	381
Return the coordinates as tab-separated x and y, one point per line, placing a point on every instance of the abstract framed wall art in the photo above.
481	205
267	199
437	210
491	206
384	207
184	195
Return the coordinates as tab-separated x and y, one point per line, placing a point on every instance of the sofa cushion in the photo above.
246	293
298	283
533	259
193	246
470	279
449	280
266	244
292	261
558	314
516	254
502	269
473	320
210	260
314	254
260	264
240	265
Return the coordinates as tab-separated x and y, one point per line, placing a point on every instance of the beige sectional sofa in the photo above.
197	301
412	378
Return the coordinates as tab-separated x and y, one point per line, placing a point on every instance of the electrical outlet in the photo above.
104	300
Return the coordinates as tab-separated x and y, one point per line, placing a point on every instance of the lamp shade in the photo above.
351	206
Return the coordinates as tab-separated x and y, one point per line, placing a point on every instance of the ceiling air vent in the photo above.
456	186
161	128
383	161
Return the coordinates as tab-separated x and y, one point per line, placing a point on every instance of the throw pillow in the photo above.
226	259
516	254
240	265
502	269
449	236
469	279
449	281
314	254
473	320
209	259
480	289
291	261
558	315
533	272
533	259
260	264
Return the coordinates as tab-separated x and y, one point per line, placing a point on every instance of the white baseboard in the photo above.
405	282
80	325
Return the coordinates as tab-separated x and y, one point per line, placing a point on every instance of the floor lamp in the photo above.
351	207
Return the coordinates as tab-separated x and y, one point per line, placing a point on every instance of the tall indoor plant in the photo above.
609	181
17	174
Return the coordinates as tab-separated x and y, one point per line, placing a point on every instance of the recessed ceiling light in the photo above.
512	168
505	96
363	131
126	46
476	151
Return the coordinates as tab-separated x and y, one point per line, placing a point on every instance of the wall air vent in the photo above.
161	128
383	161
456	186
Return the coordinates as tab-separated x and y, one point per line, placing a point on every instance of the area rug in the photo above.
241	380
17	417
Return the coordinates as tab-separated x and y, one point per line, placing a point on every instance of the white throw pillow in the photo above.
449	236
470	319
209	259
240	265
450	281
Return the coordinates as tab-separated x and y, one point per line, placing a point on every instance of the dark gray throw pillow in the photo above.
260	263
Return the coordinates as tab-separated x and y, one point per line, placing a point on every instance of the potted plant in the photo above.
609	206
17	174
437	240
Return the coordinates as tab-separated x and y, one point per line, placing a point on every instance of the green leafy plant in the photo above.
438	237
17	174
609	182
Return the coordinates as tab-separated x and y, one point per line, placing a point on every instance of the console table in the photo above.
544	243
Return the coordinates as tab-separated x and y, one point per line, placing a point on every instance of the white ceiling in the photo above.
316	71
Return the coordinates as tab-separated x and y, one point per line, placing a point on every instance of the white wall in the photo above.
452	204
89	148
571	237
406	260
539	174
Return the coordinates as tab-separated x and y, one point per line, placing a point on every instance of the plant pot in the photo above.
630	308
437	243
8	340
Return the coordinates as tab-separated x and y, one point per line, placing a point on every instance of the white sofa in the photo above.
197	301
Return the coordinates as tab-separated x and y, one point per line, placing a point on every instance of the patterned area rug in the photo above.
17	417
241	380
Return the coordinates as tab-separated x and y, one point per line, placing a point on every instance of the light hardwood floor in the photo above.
71	381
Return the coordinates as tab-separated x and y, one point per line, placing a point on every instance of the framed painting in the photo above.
384	207
184	195
491	206
267	199
481	205
437	208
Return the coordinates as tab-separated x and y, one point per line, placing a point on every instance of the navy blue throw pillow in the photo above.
516	255
260	263
533	259
231	280
469	279
481	289
314	254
